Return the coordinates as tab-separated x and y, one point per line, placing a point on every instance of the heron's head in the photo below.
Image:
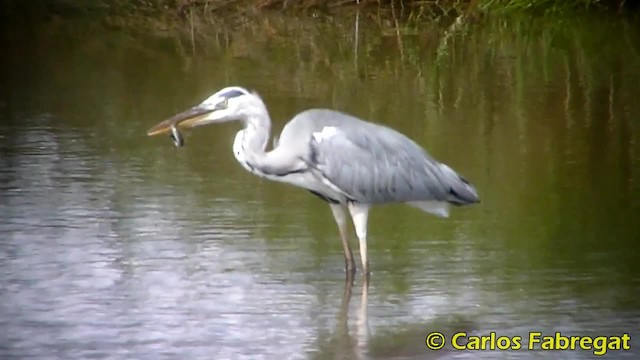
228	104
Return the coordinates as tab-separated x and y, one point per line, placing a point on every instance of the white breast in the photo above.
238	151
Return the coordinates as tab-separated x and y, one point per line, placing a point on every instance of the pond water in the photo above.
116	245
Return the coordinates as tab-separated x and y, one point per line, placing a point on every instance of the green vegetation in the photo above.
192	19
552	6
183	8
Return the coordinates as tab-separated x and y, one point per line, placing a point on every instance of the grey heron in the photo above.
350	163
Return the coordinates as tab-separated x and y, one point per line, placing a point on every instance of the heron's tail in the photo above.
461	192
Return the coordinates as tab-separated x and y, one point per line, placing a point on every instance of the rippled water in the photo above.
115	245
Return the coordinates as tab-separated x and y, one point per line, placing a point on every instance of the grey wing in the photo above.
374	164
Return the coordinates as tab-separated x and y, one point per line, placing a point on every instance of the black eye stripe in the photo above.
232	93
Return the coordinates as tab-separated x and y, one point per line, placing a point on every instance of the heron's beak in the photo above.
195	116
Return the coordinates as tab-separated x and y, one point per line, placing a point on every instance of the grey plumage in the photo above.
351	163
375	164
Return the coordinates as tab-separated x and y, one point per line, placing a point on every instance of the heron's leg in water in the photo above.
341	219
359	215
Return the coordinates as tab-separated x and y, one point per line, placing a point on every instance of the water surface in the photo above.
114	245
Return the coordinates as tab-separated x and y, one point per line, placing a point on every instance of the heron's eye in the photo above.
223	104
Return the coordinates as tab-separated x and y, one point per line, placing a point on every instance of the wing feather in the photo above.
375	164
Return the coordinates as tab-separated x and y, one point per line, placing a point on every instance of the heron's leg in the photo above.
341	219
359	215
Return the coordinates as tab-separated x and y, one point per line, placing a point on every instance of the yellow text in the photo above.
598	344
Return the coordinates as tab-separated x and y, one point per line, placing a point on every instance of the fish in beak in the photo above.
214	109
178	141
195	116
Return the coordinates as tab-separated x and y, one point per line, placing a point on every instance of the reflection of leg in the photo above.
359	214
362	336
341	219
364	300
346	297
342	322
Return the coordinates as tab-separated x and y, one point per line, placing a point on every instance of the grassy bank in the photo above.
182	8
190	17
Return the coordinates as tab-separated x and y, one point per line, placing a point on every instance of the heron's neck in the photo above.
256	133
251	142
